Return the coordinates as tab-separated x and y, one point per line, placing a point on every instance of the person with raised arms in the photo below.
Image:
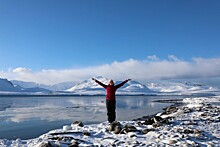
111	89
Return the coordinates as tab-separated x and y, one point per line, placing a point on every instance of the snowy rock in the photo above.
77	123
66	128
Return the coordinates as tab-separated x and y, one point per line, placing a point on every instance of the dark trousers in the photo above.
110	105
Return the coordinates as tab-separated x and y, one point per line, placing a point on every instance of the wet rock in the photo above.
78	123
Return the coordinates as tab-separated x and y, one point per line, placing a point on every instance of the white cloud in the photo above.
21	70
150	69
153	57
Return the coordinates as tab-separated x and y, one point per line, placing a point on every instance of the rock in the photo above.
169	141
115	123
130	128
74	143
157	119
87	133
197	132
149	121
111	128
115	126
131	134
145	131
165	121
79	123
139	123
117	129
187	131
171	109
157	124
172	141
45	144
66	128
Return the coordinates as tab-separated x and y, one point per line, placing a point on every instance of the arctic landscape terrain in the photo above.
188	122
89	87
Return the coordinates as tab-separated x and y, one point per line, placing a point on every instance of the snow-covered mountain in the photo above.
91	88
186	88
6	85
56	87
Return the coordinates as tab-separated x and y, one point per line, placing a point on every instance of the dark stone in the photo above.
130	128
113	125
149	121
45	144
139	123
111	128
187	131
79	123
145	131
171	109
157	124
165	121
157	119
117	129
86	133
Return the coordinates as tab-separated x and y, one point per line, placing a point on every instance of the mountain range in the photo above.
89	87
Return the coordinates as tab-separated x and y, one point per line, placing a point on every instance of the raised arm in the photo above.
100	83
121	84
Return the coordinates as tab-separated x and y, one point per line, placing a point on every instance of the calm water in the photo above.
29	117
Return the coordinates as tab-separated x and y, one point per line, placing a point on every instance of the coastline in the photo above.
195	123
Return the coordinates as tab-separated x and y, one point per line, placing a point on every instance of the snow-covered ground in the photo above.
196	123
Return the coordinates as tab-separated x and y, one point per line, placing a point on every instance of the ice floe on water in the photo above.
195	123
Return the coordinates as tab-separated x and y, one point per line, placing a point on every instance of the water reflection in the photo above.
22	112
22	109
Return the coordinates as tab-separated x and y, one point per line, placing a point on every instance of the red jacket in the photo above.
110	89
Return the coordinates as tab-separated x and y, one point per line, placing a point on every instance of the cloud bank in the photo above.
153	68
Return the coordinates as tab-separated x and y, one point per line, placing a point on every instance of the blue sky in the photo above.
57	35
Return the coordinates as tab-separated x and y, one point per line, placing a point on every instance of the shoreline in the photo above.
195	123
